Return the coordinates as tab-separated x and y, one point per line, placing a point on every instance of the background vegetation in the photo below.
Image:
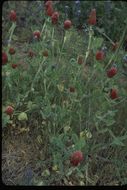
50	122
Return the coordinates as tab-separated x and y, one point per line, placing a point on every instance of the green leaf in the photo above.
5	119
80	144
110	122
31	106
96	43
75	138
22	116
116	141
14	37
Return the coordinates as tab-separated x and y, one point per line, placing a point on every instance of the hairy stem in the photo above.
11	33
89	43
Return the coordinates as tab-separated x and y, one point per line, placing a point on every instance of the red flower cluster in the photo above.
55	17
9	110
12	51
111	72
72	89
45	53
37	34
31	54
67	24
12	16
80	60
49	8
113	94
48	4
76	158
4	58
100	55
50	12
92	17
14	66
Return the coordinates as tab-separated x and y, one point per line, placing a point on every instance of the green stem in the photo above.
45	87
116	53
105	36
86	173
92	74
89	43
32	85
52	40
65	38
11	32
89	109
39	69
43	27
